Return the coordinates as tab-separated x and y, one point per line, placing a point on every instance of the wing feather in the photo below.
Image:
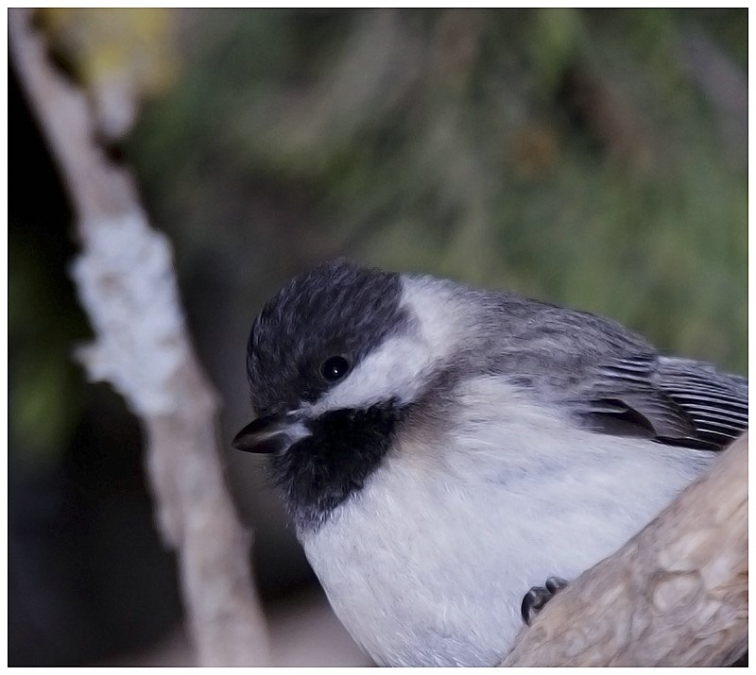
669	400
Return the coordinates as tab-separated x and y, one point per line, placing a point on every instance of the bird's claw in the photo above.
537	597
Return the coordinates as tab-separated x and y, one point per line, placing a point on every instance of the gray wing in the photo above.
612	380
669	400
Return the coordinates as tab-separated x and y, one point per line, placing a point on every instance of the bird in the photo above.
443	450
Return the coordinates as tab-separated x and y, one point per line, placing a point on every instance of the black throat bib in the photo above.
321	471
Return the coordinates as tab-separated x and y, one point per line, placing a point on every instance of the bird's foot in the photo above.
537	597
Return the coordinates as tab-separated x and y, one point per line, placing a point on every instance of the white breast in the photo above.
428	564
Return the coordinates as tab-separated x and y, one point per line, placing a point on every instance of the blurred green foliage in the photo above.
45	401
572	155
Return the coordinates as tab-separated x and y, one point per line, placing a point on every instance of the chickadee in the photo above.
442	449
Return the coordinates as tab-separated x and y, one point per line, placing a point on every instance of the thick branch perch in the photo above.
126	283
674	595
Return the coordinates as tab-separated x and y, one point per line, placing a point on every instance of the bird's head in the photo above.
336	360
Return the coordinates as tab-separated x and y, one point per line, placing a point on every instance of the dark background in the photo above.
594	158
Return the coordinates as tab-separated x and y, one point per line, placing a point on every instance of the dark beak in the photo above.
271	434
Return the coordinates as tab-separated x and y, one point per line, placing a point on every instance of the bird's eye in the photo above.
334	368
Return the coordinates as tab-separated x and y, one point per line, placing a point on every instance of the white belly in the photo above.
429	563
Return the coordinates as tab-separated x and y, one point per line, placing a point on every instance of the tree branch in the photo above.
126	283
675	595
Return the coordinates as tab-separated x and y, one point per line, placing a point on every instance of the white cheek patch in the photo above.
397	369
401	366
